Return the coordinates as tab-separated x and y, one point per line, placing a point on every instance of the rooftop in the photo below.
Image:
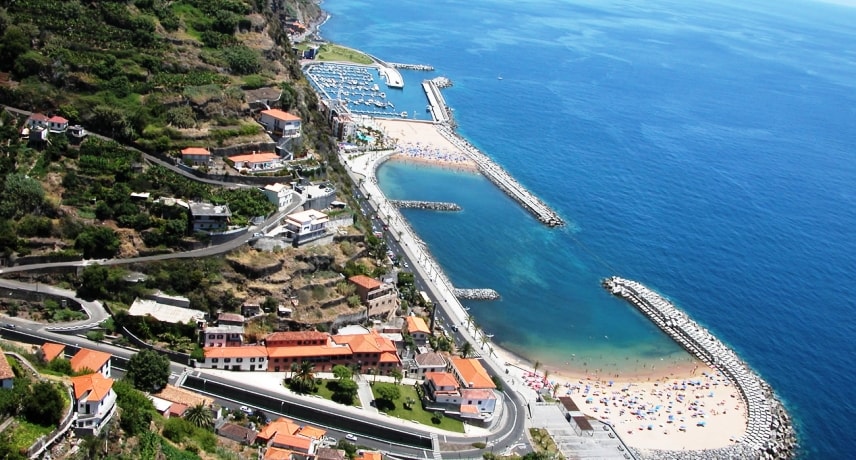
208	209
366	343
306	351
6	371
442	379
182	396
297	336
195	151
278	187
365	282
233	317
417	324
477	394
307	216
472	373
237	433
57	119
89	359
430	360
312	432
275	453
280	425
51	351
255	157
225	329
164	312
252	351
280	115
95	384
39	117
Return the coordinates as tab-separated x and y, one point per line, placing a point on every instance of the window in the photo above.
239	360
227	360
215	360
252	360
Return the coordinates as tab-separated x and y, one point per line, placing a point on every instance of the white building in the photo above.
207	217
305	226
223	336
280	124
281	195
250	358
427	362
94	402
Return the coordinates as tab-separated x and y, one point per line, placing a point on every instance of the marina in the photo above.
357	86
769	433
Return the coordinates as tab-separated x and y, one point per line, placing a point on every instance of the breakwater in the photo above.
503	180
432	205
399	65
769	433
436	103
476	294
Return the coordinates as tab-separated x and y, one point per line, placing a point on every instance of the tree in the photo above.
97	242
199	416
44	404
304	378
397	375
387	392
21	195
466	350
535	367
342	372
344	391
148	370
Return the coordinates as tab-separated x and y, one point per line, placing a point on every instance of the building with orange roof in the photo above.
312	432
275	453
263	161
323	357
443	391
371	351
369	455
293	442
196	156
94	402
418	329
380	299
280	124
7	375
49	351
95	361
470	373
249	358
425	363
281	425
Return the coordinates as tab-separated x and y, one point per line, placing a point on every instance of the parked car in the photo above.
351	437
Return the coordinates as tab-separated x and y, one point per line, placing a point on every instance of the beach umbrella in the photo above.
671	418
650	427
702	423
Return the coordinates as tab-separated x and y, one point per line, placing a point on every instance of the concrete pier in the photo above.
399	65
476	294
432	205
436	103
504	181
769	433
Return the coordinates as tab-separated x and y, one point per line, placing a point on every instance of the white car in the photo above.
246	410
351	437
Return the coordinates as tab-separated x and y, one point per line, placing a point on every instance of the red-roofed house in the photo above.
37	120
470	373
94	402
95	361
371	351
196	156
324	357
370	455
57	124
50	351
257	161
293	442
418	329
380	298
7	375
292	338
443	392
250	358
280	124
275	453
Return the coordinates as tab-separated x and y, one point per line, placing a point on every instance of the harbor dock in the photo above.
503	180
436	103
769	433
431	205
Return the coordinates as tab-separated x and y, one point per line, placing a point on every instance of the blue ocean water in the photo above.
705	149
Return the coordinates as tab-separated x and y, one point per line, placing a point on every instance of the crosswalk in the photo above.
435	444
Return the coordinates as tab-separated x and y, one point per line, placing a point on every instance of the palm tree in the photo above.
556	389
466	350
305	376
199	416
469	321
546	374
536	366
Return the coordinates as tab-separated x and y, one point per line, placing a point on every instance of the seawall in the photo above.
431	205
503	180
769	433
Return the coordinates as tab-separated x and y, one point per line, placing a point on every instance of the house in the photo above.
95	361
275	453
249	358
251	309
286	434
427	362
281	195
470	373
238	433
296	338
369	455
37	120
371	352
257	162
379	298
280	124
206	217
293	442
223	336
418	329
57	124
305	226
94	402
7	375
329	453
196	156
50	351
323	357
443	392
76	133
230	319
312	432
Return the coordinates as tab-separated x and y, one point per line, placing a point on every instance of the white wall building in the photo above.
281	195
94	402
304	226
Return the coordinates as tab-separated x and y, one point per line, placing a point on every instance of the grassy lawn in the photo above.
417	413
339	53
24	433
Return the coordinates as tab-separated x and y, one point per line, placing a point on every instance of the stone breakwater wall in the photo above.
769	432
399	65
432	205
476	294
504	181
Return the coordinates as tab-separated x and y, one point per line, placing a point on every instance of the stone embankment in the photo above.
436	103
442	82
476	294
399	65
504	181
431	205
769	432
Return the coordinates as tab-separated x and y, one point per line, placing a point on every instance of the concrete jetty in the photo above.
436	103
432	205
504	181
399	65
769	433
476	294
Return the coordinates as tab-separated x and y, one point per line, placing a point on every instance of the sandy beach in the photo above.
419	142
